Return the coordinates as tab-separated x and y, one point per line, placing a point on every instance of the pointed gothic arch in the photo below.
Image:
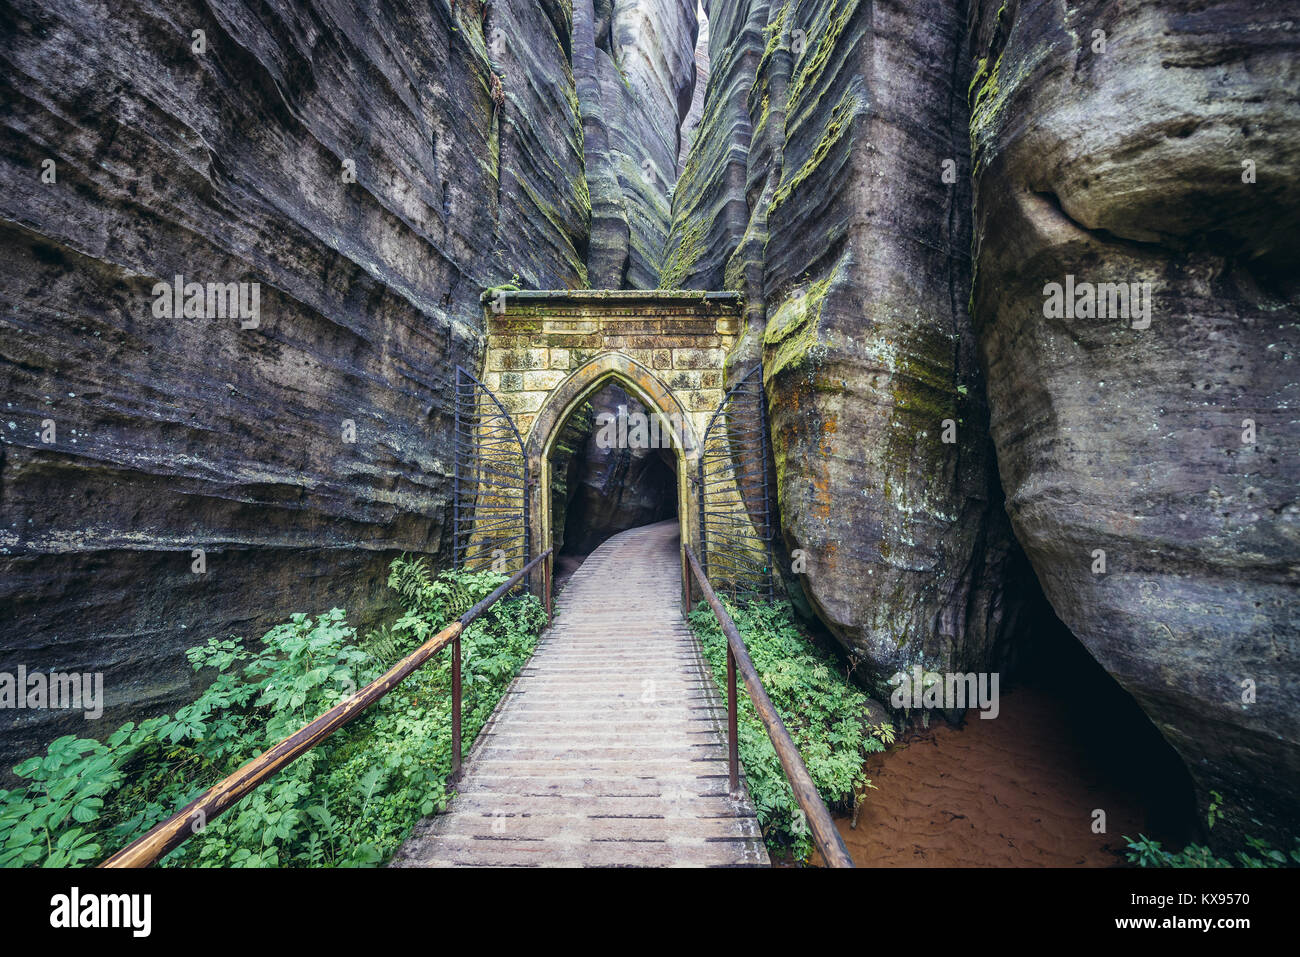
576	388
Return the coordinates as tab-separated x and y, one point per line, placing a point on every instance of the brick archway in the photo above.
569	395
549	350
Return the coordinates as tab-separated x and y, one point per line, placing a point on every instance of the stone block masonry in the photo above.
537	339
547	351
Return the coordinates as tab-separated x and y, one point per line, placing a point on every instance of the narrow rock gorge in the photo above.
961	460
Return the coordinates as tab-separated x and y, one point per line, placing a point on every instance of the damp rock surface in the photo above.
635	66
847	157
358	164
815	185
1116	150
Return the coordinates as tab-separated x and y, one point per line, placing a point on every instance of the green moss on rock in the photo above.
811	67
791	338
678	265
840	122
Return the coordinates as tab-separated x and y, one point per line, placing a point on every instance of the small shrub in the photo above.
824	712
350	801
1144	852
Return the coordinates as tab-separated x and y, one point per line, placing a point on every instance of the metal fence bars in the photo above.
735	489
490	485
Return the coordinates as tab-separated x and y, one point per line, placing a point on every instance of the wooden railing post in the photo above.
455	709
733	746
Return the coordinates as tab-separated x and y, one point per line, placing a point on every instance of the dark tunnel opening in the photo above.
599	488
1103	723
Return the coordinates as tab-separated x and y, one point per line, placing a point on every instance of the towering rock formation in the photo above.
635	61
361	166
362	172
693	115
368	171
1113	143
816	186
1154	143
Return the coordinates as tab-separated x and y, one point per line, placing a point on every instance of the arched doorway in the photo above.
677	430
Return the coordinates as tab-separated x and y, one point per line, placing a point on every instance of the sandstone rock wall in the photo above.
692	121
1109	146
567	465
227	165
635	61
815	187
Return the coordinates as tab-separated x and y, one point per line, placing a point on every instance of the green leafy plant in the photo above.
1213	813
826	715
440	598
1145	852
348	802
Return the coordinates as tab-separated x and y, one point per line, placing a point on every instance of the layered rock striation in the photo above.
816	185
364	171
1145	457
1149	454
635	61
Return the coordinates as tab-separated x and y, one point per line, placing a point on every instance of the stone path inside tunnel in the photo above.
610	747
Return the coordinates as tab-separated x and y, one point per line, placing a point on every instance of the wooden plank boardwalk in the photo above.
609	749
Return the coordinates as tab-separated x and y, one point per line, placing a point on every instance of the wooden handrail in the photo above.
824	834
173	832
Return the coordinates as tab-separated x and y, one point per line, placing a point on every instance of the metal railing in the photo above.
824	834
490	481
173	832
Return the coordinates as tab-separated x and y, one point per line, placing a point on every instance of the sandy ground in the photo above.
1015	791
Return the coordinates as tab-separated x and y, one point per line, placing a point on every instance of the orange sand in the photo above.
1015	791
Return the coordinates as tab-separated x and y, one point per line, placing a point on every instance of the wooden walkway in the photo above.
610	747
